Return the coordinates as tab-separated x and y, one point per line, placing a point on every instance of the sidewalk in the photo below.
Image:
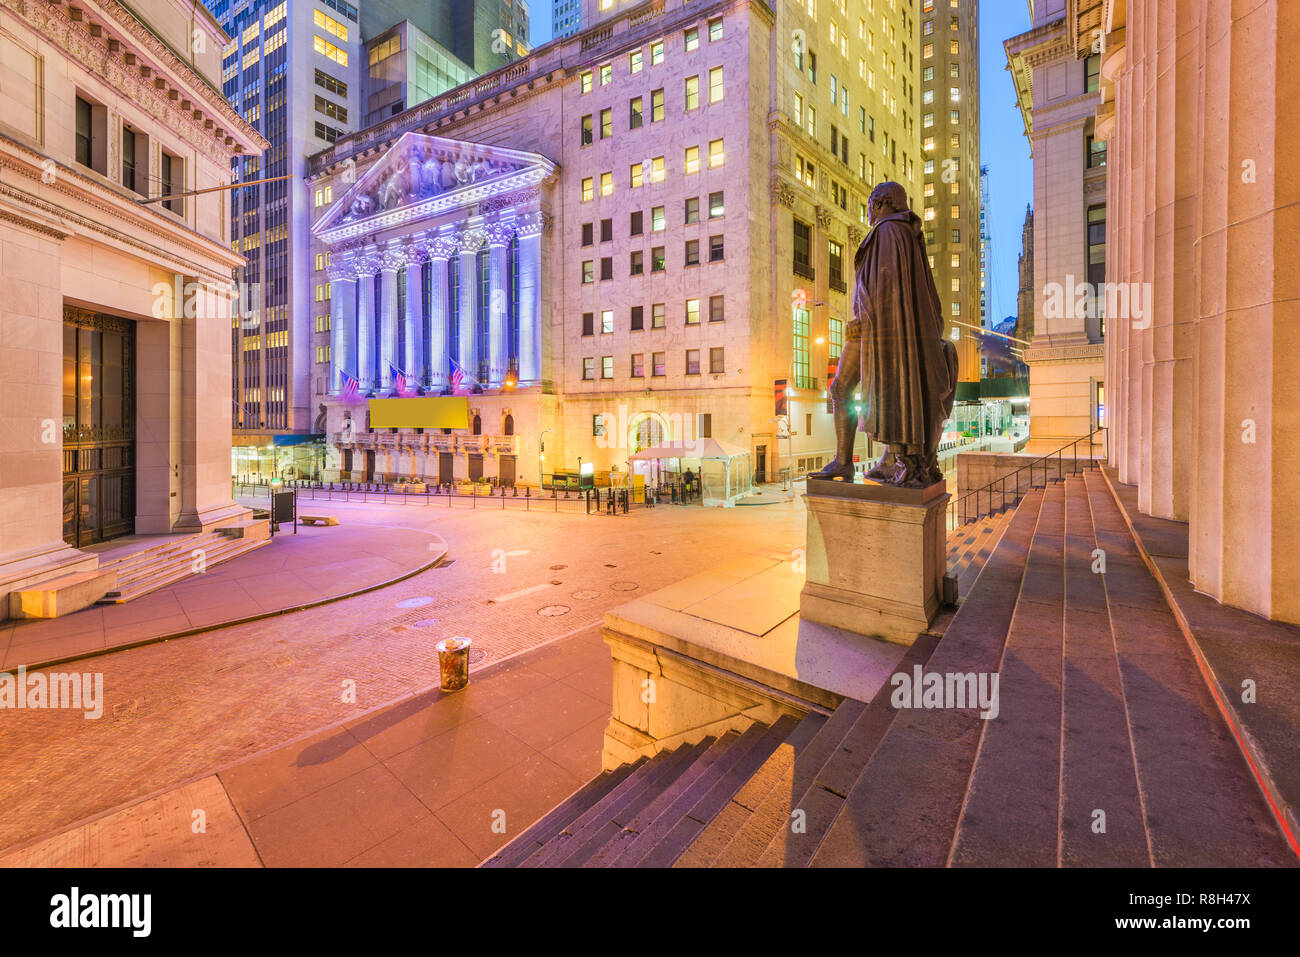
316	565
435	780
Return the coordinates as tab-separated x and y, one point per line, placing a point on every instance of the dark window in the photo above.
638	318
607	267
837	266
692	252
803	250
692	361
716	253
478	425
586	130
128	158
606	230
588	323
85	136
638	263
717	361
588	234
169	170
508	427
635	229
657	259
693	210
706	424
716	309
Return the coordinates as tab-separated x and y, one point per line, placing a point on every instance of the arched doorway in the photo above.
478	425
646	430
508	426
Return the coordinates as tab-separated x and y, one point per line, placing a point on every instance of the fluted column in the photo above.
471	241
367	266
529	263
343	323
499	236
393	259
413	322
441	249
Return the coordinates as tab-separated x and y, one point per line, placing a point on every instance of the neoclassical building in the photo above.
436	264
116	270
641	232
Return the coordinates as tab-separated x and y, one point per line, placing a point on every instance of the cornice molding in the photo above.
94	55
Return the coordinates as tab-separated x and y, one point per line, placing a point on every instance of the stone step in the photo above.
180	568
576	834
559	817
1011	815
1097	770
1202	804
903	808
639	835
847	742
165	551
791	767
586	844
762	741
726	820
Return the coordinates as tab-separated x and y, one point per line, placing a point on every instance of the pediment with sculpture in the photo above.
421	173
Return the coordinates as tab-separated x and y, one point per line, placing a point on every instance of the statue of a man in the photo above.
894	351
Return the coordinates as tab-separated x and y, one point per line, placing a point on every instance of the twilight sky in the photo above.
1003	146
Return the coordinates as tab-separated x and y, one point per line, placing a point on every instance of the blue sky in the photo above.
1003	146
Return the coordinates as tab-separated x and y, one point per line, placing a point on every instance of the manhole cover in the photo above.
415	602
476	655
586	595
553	611
426	622
624	586
556	568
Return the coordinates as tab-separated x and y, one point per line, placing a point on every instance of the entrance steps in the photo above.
158	566
1107	749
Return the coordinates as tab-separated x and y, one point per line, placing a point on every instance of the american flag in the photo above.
399	379
350	385
461	381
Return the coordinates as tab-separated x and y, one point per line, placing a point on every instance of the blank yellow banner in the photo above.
420	412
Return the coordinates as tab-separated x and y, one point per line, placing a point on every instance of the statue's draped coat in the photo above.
909	370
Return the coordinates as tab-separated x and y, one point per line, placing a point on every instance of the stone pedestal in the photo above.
875	558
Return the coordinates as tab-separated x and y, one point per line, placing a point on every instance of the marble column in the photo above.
471	241
413	322
367	266
499	236
343	323
393	259
529	264
441	249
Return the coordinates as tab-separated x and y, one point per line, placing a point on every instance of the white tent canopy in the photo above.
725	472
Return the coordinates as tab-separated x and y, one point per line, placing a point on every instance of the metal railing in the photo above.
590	501
1004	492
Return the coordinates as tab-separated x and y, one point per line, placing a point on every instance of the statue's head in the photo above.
886	199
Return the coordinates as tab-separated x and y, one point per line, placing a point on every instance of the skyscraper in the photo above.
950	143
485	34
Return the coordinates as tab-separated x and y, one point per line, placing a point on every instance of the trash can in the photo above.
453	662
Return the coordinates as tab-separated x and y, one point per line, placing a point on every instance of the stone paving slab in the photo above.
317	564
192	826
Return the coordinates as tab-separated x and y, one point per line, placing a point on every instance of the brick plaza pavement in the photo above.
177	710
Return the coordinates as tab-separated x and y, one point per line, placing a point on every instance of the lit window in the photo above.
606	184
636	176
586	81
692	39
606	74
692	159
715	29
715	85
692	92
588	191
657	169
657	53
657	219
692	312
716	155
634	61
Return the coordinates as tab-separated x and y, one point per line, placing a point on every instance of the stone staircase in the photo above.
970	545
150	569
1107	749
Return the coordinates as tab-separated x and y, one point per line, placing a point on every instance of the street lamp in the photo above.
541	448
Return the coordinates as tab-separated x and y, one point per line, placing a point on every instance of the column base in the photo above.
205	520
20	570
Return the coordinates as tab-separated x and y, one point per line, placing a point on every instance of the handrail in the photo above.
960	514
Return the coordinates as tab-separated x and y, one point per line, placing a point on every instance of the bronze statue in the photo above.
895	351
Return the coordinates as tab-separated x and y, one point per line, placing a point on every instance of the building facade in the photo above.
651	224
1197	107
485	34
1057	91
117	309
405	66
950	142
292	70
